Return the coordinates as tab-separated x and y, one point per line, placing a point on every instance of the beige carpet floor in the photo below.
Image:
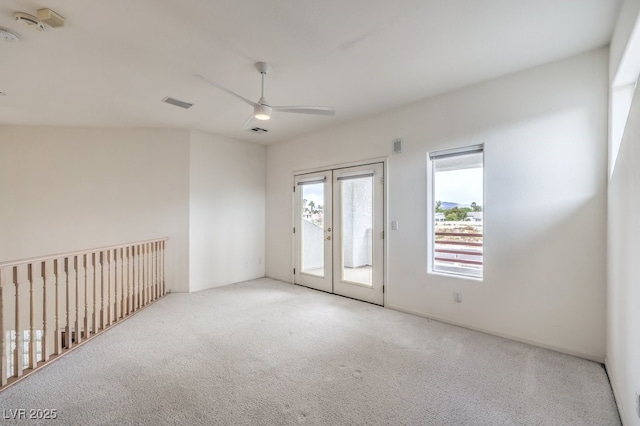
268	353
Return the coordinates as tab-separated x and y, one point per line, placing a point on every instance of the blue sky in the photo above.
459	186
314	192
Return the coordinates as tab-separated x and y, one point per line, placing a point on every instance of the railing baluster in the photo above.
128	282
17	352
94	313
86	297
132	285
77	331
45	328
102	312
146	274
152	273
67	328
150	269
3	347
115	284
149	274
114	301
156	247
143	269
109	318
120	298
139	293
57	341
33	356
164	289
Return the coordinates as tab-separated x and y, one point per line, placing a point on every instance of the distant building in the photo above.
474	216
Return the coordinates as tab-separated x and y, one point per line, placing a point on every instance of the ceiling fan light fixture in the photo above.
262	112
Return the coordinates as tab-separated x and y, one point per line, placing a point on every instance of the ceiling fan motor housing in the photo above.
262	111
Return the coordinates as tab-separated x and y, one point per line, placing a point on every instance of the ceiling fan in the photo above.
262	109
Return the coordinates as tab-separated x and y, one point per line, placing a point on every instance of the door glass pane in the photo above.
357	229
312	228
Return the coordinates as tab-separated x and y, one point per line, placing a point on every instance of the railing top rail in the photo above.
75	253
458	234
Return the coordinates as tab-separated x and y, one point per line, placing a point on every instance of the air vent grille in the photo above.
176	102
397	146
257	130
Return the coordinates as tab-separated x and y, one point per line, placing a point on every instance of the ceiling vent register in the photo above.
176	102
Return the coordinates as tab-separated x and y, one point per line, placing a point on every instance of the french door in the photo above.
339	228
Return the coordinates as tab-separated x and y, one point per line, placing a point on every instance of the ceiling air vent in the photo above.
181	104
257	130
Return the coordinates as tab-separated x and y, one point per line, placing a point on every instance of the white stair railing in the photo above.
92	290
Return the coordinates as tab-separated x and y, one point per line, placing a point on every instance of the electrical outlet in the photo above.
457	297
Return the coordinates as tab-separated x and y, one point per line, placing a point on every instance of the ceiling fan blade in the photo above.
249	123
224	89
315	110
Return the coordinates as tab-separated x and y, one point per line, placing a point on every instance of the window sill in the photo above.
460	276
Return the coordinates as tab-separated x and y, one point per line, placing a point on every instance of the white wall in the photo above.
68	189
623	298
623	331
545	133
226	211
629	10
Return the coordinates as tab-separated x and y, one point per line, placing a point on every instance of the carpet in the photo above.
265	352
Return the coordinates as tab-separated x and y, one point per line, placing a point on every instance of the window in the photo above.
456	211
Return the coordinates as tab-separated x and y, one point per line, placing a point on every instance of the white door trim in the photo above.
292	219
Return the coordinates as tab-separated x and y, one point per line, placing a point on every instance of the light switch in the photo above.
394	225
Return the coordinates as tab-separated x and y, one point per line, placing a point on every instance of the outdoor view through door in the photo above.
312	226
339	231
356	217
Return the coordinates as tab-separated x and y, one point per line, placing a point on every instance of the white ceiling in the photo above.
114	61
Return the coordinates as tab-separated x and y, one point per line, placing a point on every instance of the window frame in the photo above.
430	198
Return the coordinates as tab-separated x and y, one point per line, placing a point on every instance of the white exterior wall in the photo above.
545	133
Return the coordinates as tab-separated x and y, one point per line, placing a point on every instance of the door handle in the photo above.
329	238
328	229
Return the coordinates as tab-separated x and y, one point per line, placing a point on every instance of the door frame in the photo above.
385	213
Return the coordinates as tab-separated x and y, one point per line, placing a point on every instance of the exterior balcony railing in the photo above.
459	252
